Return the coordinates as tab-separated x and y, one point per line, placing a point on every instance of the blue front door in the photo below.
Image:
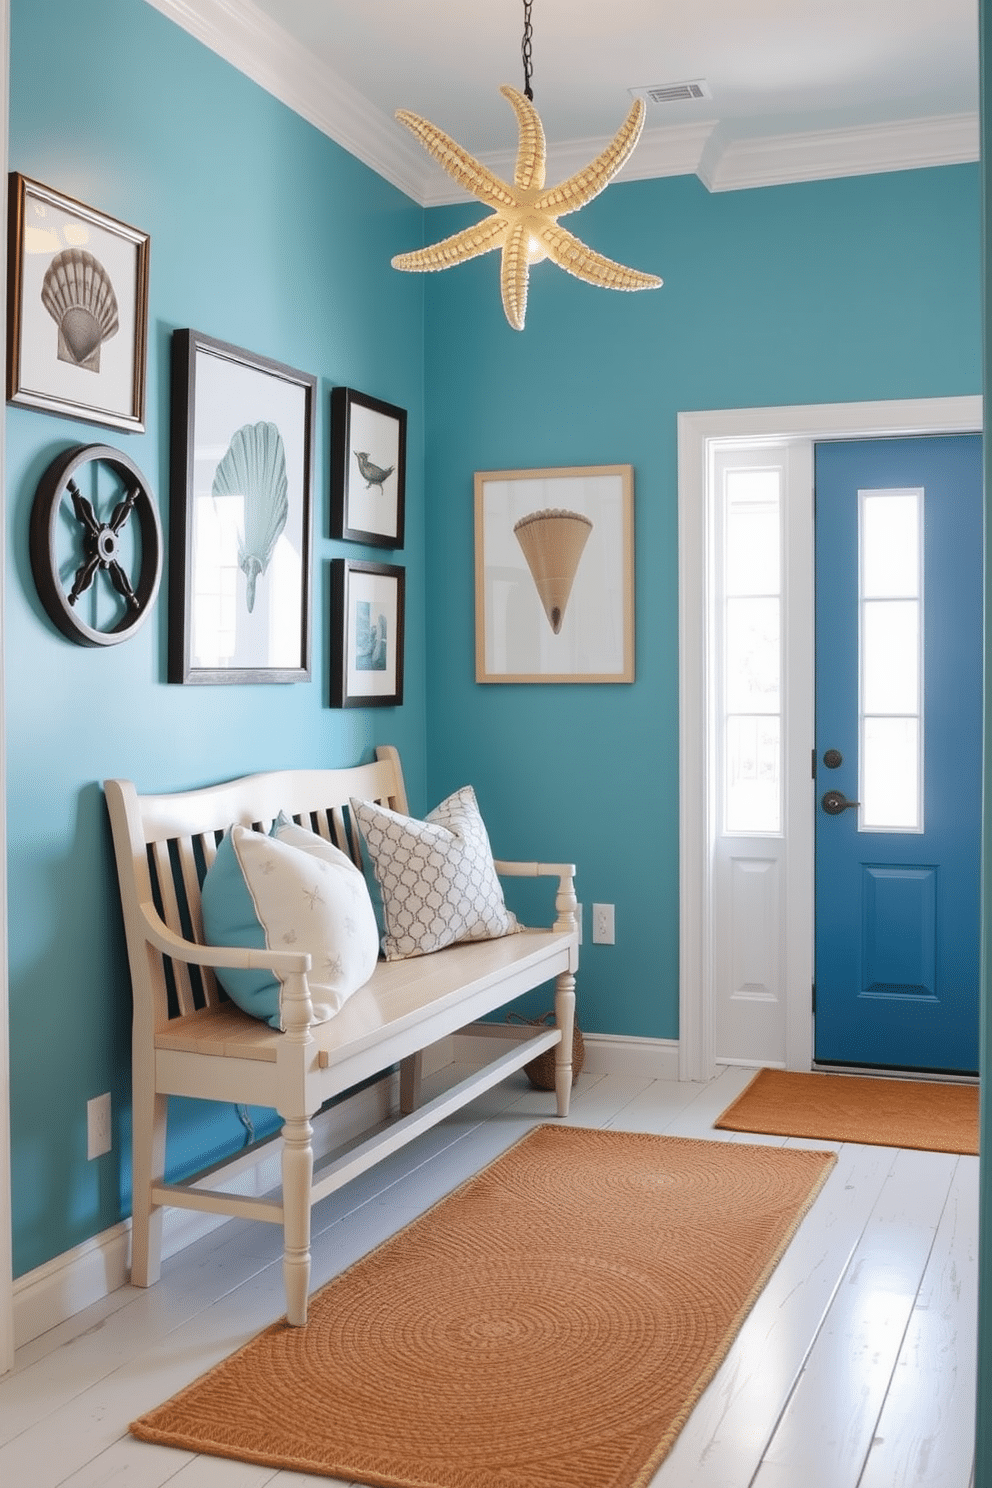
898	752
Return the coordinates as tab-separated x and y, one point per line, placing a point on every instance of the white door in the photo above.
761	725
706	914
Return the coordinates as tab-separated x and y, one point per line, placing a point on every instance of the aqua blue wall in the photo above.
831	291
266	234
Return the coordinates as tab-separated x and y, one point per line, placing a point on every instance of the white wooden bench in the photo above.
189	1040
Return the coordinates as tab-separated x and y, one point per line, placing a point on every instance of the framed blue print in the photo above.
367	609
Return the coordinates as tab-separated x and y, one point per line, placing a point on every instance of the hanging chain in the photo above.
525	50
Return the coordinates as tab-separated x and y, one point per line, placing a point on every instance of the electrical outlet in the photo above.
603	926
98	1125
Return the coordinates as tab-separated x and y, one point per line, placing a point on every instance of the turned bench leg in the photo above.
297	1178
565	1018
149	1118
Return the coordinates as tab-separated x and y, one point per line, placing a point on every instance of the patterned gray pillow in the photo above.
432	882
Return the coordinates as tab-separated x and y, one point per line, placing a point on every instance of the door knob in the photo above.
835	801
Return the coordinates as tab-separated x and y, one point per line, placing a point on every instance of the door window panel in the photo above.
890	791
891	637
891	657
891	543
754	773
752	650
753	655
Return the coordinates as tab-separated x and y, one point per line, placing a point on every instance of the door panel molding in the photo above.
700	435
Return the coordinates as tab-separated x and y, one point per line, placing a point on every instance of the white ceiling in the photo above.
799	87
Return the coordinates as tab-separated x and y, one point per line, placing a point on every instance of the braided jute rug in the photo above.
925	1114
550	1324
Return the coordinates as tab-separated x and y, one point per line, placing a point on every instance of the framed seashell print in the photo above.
77	310
240	515
554	574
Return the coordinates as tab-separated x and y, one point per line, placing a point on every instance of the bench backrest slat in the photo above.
169	900
164	844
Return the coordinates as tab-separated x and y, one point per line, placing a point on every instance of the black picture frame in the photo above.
77	311
368	602
368	469
240	583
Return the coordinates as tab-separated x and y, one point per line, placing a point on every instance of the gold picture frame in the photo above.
554	574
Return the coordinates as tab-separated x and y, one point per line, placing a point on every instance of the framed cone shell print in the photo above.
78	309
554	574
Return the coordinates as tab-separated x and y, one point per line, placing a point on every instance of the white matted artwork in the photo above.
367	644
368	469
78	309
242	460
554	575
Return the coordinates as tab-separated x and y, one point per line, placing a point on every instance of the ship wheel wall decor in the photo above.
96	545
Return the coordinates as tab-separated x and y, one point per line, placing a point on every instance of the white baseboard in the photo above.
605	1053
621	1054
48	1295
68	1283
45	1297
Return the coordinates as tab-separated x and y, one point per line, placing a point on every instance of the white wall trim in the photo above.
51	1294
675	151
256	45
6	1291
698	434
605	1054
728	164
624	1054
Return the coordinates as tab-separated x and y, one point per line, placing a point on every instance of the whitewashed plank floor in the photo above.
855	1368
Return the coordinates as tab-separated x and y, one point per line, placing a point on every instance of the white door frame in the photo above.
6	1274
698	434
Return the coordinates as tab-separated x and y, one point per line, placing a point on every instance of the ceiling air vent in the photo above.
673	92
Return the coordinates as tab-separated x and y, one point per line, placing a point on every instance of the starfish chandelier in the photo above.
524	221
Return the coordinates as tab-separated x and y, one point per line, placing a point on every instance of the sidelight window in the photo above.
752	650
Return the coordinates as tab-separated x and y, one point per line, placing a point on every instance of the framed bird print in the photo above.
554	574
241	478
77	314
368	469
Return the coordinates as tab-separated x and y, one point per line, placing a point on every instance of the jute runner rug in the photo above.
924	1114
550	1324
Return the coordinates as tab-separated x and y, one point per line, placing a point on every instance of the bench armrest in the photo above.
294	996
566	903
237	957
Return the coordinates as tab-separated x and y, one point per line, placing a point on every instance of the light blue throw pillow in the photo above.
290	890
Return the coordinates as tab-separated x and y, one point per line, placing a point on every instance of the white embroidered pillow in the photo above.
433	882
290	891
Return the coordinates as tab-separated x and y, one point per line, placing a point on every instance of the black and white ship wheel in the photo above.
97	575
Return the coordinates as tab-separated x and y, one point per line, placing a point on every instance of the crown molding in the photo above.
675	151
257	46
773	160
